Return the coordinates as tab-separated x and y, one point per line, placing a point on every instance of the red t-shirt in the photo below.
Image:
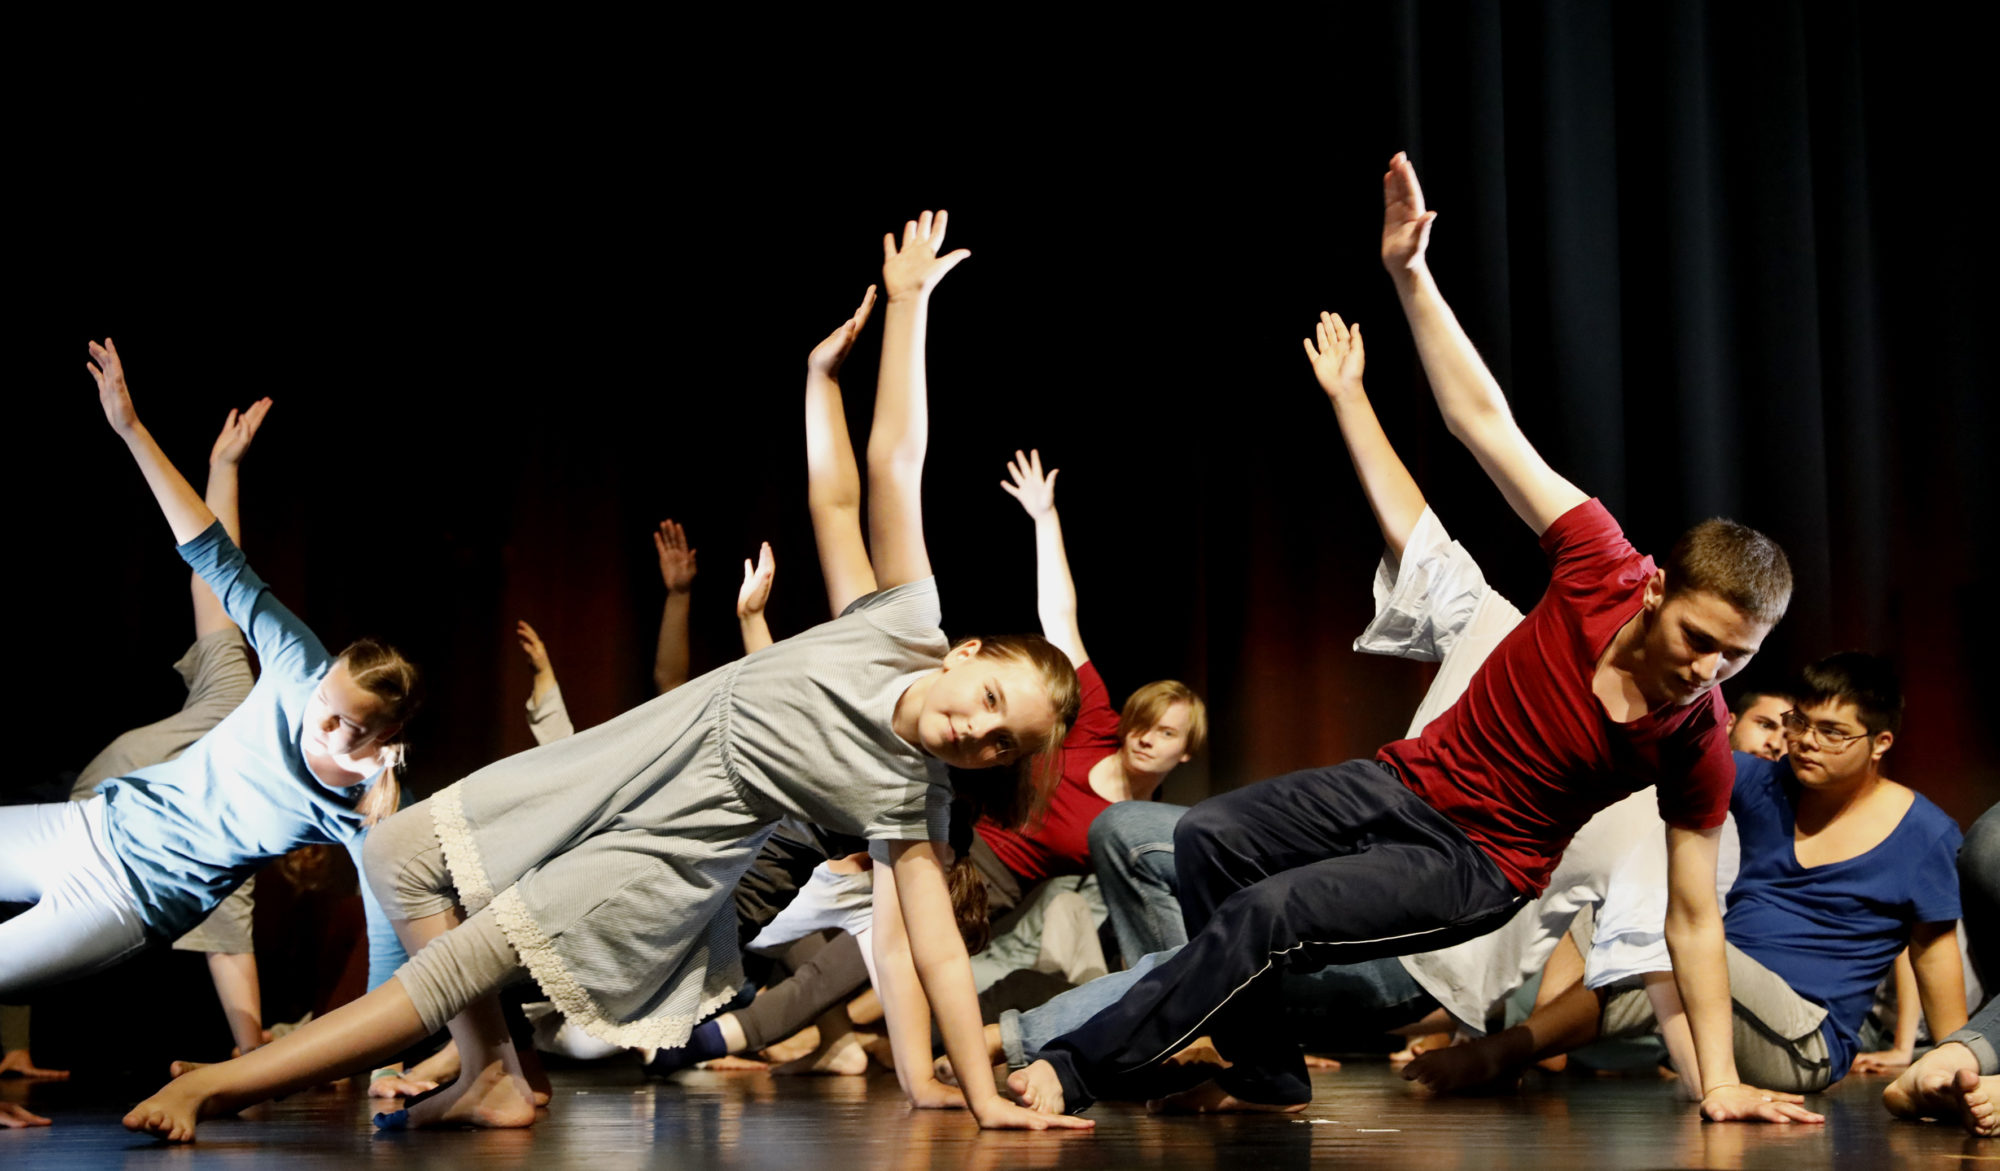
1528	754
1061	843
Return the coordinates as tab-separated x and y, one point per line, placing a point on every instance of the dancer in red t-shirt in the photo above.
1107	757
1606	686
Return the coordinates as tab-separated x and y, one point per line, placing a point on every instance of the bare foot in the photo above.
182	1068
843	1058
1038	1088
1945	1084
17	1063
1201	1051
1417	1047
1456	1067
399	1085
1209	1098
1322	1064
877	1046
172	1112
13	1117
493	1100
800	1044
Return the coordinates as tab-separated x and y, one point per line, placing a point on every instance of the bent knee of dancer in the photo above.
460	966
405	865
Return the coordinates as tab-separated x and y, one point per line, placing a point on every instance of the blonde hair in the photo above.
1023	802
1150	703
383	672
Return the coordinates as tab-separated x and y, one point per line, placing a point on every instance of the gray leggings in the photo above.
406	869
1779	1045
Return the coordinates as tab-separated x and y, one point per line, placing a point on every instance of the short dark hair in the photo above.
1735	563
1867	681
1749	699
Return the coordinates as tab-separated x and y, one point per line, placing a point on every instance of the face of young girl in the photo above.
341	718
983	712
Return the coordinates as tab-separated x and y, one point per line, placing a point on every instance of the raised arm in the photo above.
753	596
223	460
914	935
677	570
1474	408
833	482
548	716
1337	358
901	431
1055	591
187	514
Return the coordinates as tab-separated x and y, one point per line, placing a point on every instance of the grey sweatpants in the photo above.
1779	1045
406	869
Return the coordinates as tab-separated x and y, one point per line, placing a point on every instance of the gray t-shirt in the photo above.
609	856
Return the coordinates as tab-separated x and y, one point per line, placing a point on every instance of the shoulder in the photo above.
910	611
1587	527
1590	561
1933	823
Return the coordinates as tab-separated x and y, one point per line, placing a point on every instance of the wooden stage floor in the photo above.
607	1120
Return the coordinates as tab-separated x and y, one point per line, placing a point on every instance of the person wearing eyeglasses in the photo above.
1841	869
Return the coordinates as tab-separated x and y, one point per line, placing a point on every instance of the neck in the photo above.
1627	656
1137	785
911	705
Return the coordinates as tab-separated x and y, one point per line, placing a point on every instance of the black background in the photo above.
1726	259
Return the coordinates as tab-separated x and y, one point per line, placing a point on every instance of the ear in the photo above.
1656	590
1184	758
1884	740
1731	725
969	649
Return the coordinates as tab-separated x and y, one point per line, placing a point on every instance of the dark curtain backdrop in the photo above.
1726	259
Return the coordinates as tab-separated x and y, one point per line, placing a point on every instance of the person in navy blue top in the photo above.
308	757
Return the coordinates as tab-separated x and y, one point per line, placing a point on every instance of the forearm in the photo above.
756	632
905	1012
221	497
949	988
1466	392
833	481
1939	974
1393	495
1909	1004
1055	589
901	429
1701	975
670	657
236	987
185	511
1672	1019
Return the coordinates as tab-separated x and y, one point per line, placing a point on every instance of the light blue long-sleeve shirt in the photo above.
189	830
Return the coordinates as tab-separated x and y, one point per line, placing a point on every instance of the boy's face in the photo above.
1829	745
1696	640
1760	730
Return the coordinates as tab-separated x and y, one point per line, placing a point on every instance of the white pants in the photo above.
84	918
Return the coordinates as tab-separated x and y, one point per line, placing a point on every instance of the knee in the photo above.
1197	833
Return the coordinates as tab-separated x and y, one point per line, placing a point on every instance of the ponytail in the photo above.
383	672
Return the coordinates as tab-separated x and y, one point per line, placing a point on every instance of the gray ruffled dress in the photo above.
609	857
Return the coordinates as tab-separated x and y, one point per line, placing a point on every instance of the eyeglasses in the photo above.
1829	739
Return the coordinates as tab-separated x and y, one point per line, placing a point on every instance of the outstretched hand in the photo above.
112	395
915	268
827	356
237	432
677	567
1750	1104
756	589
1337	358
1406	226
1036	492
531	645
1000	1114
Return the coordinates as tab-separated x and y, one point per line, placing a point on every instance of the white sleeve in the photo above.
1422	604
549	719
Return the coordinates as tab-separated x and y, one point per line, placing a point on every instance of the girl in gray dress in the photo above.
603	863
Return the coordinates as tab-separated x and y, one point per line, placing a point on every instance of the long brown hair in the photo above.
383	672
1017	797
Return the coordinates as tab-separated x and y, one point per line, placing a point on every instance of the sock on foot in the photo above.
704	1044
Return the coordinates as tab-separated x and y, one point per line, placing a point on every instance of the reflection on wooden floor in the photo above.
606	1119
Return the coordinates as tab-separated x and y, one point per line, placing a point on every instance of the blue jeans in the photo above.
1979	889
1334	1008
1132	853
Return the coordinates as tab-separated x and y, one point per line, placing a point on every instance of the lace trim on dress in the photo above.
539	956
461	854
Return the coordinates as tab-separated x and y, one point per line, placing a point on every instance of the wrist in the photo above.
680	592
1710	1091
